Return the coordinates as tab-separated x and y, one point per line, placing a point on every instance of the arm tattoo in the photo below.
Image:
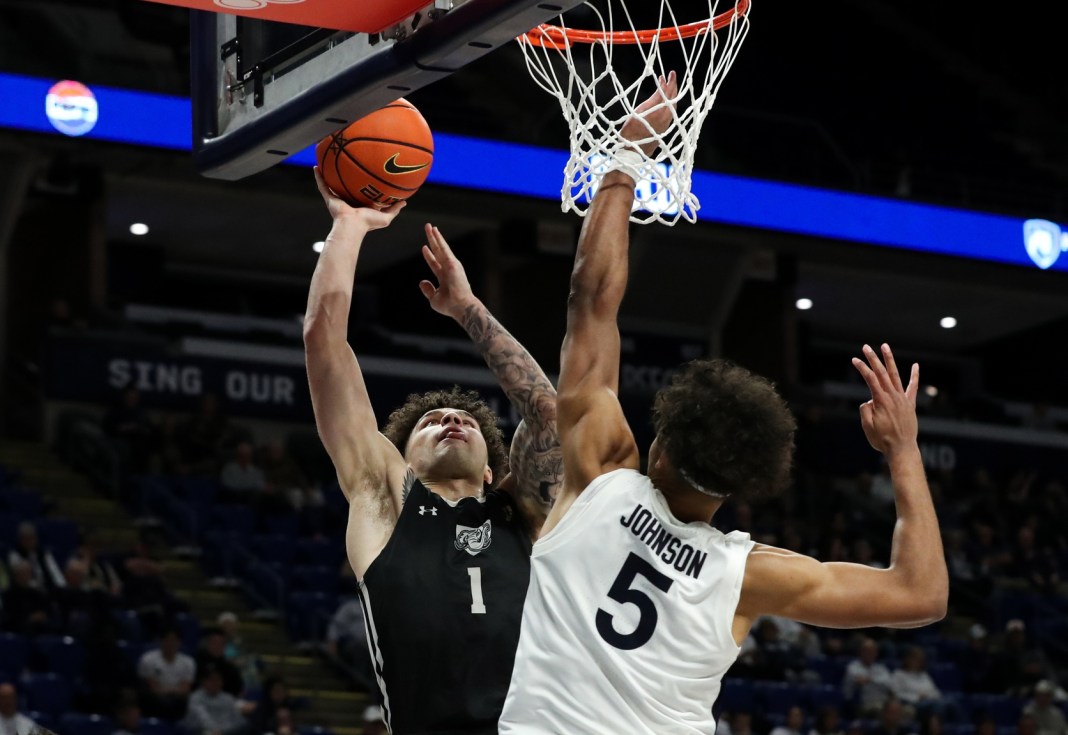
535	453
406	487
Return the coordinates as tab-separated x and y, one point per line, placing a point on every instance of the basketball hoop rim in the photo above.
558	37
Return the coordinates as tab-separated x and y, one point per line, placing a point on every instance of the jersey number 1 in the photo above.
622	593
478	605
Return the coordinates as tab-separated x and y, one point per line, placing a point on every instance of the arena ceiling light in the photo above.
931	391
948	322
804	304
318	246
139	229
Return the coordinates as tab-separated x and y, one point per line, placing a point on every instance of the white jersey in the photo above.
627	621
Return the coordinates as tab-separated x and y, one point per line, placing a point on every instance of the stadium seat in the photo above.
1004	709
189	628
133	650
25	503
323	579
13	653
777	697
234	520
78	724
129	625
64	656
9	524
822	695
272	549
197	490
946	676
320	553
58	534
737	695
48	693
282	525
152	726
831	669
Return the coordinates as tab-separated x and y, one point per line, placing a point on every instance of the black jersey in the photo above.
443	603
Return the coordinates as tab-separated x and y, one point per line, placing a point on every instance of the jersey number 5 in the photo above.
622	592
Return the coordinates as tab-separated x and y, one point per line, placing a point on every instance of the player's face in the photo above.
447	443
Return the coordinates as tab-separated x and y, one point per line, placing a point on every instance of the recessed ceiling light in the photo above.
318	246
804	304
948	322
931	391
138	228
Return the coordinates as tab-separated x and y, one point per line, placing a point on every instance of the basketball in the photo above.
379	159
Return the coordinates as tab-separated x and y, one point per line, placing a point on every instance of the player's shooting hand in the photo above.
453	293
889	418
653	116
369	217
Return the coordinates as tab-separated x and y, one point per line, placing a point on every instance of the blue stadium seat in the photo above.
822	695
9	524
152	726
306	610
831	669
65	656
197	490
133	650
282	525
1004	709
129	625
13	653
25	503
189	628
48	693
946	676
77	724
58	534
234	520
737	695
777	697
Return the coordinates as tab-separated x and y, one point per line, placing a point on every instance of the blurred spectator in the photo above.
143	587
976	663
912	684
285	479
283	724
772	658
931	724
863	554
13	722
1020	665
108	673
795	720
211	655
131	429
1049	720
242	481
892	720
128	717
80	608
167	676
374	722
211	710
346	638
202	436
828	722
45	572
101	574
268	715
1026	725
27	608
986	552
986	725
247	663
1036	565
866	681
799	637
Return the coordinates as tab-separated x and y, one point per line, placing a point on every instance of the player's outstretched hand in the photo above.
453	293
653	116
889	418
371	218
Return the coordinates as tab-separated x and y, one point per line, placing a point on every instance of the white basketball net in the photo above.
596	102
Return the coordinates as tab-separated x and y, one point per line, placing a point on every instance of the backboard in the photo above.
264	90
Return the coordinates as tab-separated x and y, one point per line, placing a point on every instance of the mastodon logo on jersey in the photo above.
474	540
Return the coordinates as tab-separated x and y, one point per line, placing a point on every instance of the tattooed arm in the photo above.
535	458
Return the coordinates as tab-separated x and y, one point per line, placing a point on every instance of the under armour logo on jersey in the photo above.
473	540
423	510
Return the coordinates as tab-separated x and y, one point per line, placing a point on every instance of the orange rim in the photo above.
558	37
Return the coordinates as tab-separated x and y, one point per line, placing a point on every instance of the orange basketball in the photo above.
379	159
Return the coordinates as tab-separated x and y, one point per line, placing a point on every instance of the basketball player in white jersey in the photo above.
636	605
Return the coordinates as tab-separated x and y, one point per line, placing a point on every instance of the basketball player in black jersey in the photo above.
439	541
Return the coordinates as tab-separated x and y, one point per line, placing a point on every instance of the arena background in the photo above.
915	104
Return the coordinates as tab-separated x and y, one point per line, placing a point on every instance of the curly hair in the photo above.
402	421
726	429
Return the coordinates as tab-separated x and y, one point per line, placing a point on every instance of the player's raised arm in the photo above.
535	458
593	432
914	590
369	467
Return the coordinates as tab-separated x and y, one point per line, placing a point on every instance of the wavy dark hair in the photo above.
401	422
726	429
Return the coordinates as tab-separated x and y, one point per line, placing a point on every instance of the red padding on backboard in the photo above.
363	16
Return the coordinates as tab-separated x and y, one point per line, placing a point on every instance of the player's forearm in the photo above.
518	374
330	296
916	557
599	278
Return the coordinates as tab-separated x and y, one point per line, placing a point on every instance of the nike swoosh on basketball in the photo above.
392	167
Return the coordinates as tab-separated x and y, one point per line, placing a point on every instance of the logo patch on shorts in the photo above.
474	540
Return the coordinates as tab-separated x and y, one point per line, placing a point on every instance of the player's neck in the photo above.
686	504
454	489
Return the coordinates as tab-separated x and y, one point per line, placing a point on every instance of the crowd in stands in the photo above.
998	664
